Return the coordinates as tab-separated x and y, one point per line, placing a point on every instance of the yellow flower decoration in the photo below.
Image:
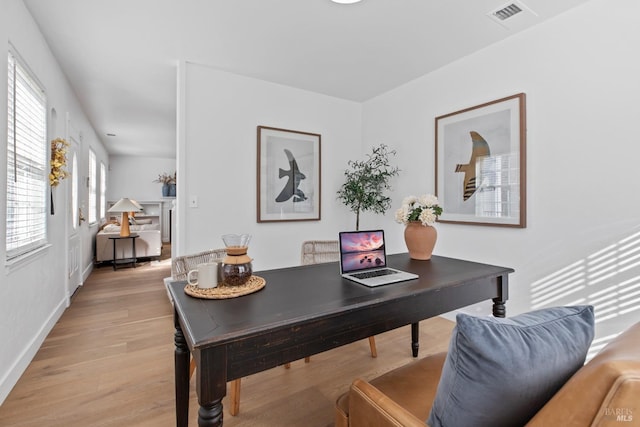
58	161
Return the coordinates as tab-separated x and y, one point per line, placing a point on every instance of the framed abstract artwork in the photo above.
481	164
288	175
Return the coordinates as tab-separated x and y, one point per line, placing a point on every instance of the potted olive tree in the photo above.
366	182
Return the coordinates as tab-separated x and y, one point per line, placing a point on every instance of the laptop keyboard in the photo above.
375	273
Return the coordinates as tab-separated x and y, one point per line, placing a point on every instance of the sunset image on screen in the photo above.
362	250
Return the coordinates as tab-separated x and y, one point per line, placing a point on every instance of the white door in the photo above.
74	242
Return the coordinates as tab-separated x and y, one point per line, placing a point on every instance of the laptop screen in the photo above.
362	250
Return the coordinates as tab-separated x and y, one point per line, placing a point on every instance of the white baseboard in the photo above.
14	372
86	272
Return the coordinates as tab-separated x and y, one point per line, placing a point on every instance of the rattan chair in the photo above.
319	251
180	267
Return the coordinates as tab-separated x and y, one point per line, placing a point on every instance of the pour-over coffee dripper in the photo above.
236	266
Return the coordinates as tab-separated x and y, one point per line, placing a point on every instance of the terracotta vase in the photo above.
420	240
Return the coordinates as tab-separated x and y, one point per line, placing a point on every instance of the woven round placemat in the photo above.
254	284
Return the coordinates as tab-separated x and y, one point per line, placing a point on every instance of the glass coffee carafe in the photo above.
236	266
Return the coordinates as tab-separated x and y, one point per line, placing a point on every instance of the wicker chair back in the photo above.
319	251
181	265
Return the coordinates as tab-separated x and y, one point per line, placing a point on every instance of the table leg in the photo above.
181	377
415	338
210	415
134	253
499	308
211	385
114	254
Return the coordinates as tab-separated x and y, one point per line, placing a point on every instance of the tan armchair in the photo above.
601	393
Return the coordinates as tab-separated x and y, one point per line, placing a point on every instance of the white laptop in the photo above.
363	259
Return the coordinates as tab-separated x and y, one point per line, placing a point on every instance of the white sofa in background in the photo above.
148	245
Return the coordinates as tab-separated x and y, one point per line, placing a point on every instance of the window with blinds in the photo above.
74	191
93	202
27	166
103	191
498	186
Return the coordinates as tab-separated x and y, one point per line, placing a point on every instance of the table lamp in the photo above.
125	206
140	207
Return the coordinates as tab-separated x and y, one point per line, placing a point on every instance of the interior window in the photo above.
93	203
74	190
103	191
27	161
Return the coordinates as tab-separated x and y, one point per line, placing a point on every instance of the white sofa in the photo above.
148	245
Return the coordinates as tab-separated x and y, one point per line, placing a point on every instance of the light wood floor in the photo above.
109	362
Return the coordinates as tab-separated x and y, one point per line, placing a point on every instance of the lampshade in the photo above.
135	202
125	206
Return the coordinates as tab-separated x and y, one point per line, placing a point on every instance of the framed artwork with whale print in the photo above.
481	164
288	175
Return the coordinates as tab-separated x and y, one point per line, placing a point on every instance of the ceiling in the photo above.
120	56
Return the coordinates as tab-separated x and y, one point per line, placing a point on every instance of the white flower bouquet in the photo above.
424	209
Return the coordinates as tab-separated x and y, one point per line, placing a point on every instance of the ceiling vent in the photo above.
513	15
507	11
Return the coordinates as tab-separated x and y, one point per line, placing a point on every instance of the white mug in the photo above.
207	275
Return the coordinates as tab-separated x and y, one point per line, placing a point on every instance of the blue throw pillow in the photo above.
500	372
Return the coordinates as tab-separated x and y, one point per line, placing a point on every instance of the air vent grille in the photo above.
514	15
507	12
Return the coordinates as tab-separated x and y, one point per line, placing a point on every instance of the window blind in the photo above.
93	204
27	167
103	190
499	186
74	191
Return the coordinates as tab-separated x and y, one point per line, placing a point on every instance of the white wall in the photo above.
132	177
217	161
583	228
33	293
580	73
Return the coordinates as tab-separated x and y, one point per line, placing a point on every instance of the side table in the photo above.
133	258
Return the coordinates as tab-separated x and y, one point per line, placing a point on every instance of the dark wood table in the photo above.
309	309
133	259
